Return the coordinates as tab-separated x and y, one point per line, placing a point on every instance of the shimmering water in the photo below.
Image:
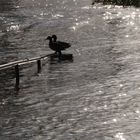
95	97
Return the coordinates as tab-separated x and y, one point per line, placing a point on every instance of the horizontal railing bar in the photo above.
22	62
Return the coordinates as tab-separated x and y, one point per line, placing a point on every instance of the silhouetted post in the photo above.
17	77
38	66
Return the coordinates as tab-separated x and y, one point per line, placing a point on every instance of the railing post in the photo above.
38	66
17	77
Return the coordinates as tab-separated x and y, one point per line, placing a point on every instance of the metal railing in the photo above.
16	65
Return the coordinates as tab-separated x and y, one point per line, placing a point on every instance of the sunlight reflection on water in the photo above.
94	97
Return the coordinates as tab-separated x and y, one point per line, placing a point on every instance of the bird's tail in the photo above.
68	45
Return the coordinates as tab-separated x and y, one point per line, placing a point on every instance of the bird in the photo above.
53	45
57	46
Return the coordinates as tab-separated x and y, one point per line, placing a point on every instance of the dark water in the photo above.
95	97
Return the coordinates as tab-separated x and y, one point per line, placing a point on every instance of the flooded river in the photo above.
95	97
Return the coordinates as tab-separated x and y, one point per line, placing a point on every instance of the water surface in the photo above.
95	97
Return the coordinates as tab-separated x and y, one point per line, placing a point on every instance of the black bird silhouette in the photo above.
58	46
51	43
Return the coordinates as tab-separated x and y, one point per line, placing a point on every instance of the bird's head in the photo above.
49	38
54	37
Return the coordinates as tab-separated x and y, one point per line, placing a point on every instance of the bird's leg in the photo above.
60	53
59	56
55	53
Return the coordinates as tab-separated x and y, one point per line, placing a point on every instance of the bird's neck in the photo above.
50	41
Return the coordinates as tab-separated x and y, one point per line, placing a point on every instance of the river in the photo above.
95	97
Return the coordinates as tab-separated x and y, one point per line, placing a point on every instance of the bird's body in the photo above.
57	46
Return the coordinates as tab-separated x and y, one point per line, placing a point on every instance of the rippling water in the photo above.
95	97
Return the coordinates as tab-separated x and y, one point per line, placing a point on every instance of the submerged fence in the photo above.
17	64
38	60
